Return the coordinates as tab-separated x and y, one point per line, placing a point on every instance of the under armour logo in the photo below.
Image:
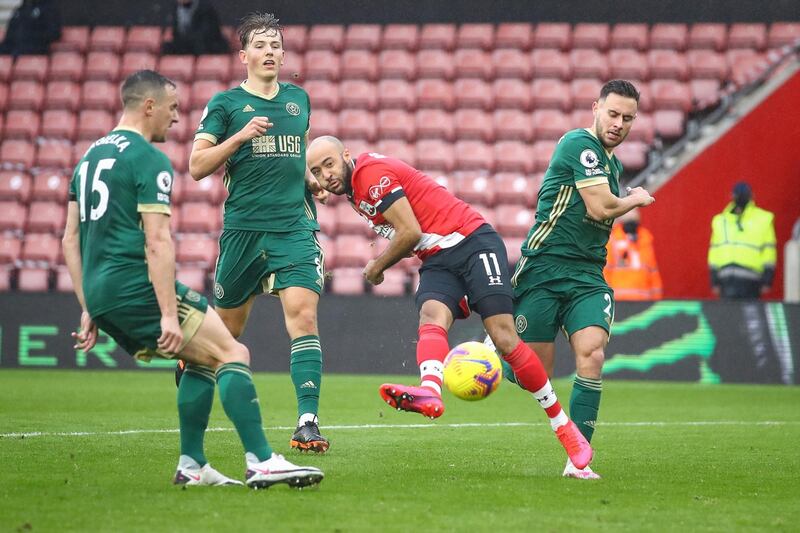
495	280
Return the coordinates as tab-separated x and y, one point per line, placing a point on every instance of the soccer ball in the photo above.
472	371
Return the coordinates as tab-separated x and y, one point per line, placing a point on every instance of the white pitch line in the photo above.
408	426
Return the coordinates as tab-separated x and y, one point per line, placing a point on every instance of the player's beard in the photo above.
347	175
602	138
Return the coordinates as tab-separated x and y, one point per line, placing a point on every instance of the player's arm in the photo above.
160	253
602	204
207	156
86	337
407	234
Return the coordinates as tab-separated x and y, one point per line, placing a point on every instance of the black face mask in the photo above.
741	200
631	227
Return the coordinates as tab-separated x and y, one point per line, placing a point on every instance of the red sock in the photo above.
532	376
432	348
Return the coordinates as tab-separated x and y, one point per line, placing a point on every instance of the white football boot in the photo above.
190	473
276	469
572	471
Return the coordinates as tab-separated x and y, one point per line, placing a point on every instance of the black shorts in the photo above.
476	268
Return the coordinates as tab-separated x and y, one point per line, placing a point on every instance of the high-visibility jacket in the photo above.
631	268
743	246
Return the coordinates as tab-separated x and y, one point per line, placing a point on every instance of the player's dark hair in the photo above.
256	23
620	87
143	84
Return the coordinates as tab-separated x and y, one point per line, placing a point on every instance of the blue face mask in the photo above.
631	227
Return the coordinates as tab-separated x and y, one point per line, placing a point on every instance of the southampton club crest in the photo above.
293	109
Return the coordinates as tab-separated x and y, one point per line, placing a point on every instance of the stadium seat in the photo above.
396	124
473	93
326	37
671	94
25	95
46	217
178	67
433	93
102	66
3	97
295	39
358	94
474	63
134	61
476	188
293	71
513	220
593	35
474	155
645	97
473	35
512	156
12	217
176	152
33	279
94	123
363	37
199	217
435	124
107	39
707	64
643	129
183	130
41	247
510	63
585	92
359	64
348	281
397	64
511	94
347	220
669	37
79	149
628	64
22	124
634	36
746	68
511	125
434	154
397	149
747	35
550	93
589	63
50	187
705	93
322	65
202	91
209	190
550	123
669	123
667	64
541	152
515	188
63	282
62	95
473	124
632	154
353	250
10	248
73	39
144	39
194	277
396	94
547	63
708	35
783	34
100	94
196	248
211	67
442	36
513	250
400	36
394	283
581	118
323	94
358	124
435	63
556	35
514	35
324	122
15	186
17	153
33	68
54	154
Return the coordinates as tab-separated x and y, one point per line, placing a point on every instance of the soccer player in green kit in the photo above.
558	282
259	131
121	259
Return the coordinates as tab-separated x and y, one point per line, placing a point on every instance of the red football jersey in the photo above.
378	181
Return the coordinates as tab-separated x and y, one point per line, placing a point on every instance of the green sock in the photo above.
584	403
305	366
508	373
239	399
195	398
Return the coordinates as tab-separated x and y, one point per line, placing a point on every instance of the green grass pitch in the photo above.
95	451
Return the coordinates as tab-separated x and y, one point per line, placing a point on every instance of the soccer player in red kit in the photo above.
462	256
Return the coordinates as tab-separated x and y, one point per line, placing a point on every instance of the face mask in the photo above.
631	227
741	200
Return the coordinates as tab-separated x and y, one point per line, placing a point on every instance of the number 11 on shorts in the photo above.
493	275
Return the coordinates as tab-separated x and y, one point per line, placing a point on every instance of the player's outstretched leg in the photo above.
420	400
276	469
190	473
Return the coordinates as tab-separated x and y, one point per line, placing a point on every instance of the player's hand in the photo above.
171	335
316	189
86	337
372	274
257	127
642	197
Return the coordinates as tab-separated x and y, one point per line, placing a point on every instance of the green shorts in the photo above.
254	262
551	295
137	326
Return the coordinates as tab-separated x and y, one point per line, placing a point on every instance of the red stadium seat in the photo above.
437	94
748	35
645	97
707	64
63	279
511	125
348	221
585	92
476	189
708	35
474	155
541	153
194	277
399	150
512	94
25	95
199	217
51	187
671	94
397	64
643	129
589	63
359	94
41	247
594	35
550	93
396	94
178	68
3	96
17	152
512	156
10	248
441	36
628	64
79	149
176	152
669	37
515	35
359	64
548	63
513	249
353	250
626	35
324	122
513	220
295	39
581	118
475	36
12	217
100	94
94	123
62	95
394	283
435	154
212	67
550	123
358	124
73	39
134	61
556	35
293	70
198	248
326	37
22	124
474	124
32	68
705	93
102	66
435	124
783	34
144	39
54	154
510	63
15	185
46	217
402	36
107	39
746	68
6	64
667	64
435	63
183	130
323	94
363	37
209	190
33	279
473	93
669	123
348	281
474	63
512	188
322	65
632	154
396	124
326	217
202	91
